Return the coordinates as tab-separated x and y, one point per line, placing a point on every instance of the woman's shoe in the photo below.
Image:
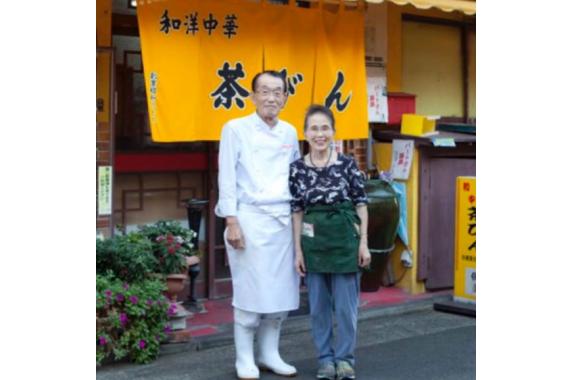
327	371
344	371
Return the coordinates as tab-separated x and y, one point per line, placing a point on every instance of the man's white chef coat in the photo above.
254	164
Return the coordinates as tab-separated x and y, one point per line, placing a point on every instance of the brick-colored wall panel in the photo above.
103	154
103	157
103	135
357	149
103	127
102	222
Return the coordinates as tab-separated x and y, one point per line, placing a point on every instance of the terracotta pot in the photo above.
175	285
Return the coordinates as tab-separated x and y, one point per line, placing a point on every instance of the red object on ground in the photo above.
399	103
220	312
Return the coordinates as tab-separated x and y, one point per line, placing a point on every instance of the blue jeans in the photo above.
329	294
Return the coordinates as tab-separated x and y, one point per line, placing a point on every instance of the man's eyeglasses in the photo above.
265	93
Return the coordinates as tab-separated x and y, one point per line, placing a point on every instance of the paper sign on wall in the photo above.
104	190
376	94
376	100
401	158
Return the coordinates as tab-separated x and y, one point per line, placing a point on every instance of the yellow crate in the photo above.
417	125
429	124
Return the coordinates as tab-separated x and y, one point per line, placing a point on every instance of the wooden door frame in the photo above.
426	154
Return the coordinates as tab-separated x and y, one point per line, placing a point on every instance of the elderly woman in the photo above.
329	211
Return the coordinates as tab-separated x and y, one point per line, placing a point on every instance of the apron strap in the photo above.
346	209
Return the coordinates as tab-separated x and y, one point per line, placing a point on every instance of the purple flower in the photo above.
172	310
133	300
123	319
150	302
120	297
167	328
125	286
141	344
108	293
102	341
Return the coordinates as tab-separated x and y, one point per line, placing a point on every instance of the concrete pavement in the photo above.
409	341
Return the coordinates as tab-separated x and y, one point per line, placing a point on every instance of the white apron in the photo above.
264	279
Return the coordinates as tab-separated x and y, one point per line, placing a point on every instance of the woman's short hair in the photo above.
318	108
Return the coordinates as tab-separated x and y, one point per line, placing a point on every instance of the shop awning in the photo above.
466	6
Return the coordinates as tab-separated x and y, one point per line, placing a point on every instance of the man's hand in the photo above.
234	233
364	255
299	264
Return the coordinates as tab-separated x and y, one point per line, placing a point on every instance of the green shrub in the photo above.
128	257
132	312
131	319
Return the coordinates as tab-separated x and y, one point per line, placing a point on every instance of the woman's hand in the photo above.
299	263
364	255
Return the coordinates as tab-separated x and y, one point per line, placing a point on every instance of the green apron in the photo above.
330	240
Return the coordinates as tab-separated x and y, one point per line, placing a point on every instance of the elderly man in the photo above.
255	153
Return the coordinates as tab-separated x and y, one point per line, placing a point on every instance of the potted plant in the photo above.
173	249
172	257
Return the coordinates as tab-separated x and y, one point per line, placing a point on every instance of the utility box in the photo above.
465	288
399	103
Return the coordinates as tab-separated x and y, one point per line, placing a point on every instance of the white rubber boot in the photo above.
268	357
246	369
